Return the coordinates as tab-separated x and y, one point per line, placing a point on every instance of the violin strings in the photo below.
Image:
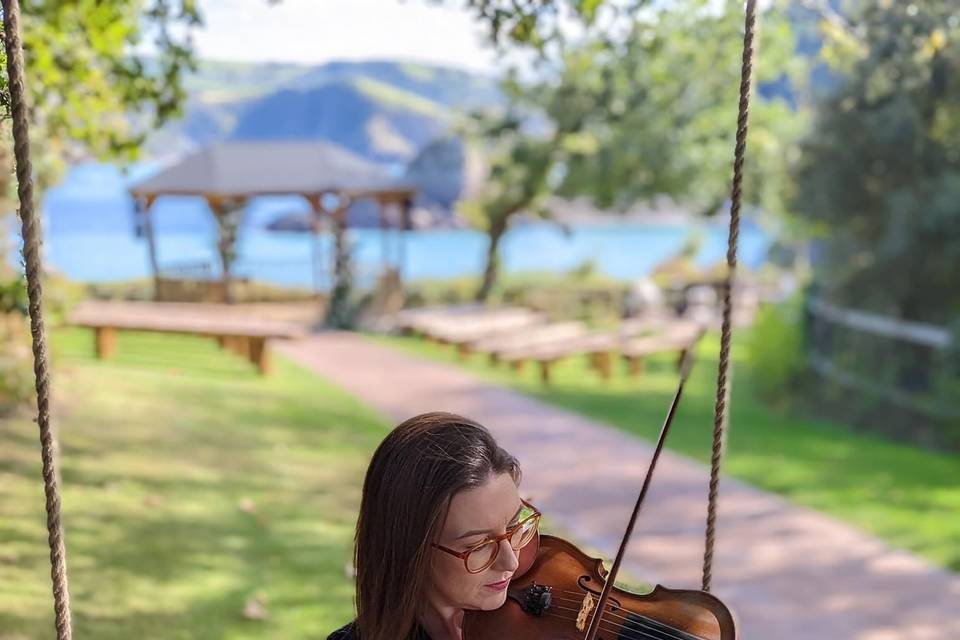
649	628
577	597
637	621
609	610
625	632
605	626
633	620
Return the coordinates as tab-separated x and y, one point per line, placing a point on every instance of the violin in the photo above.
560	593
557	587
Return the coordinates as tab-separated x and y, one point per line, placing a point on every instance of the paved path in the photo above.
788	572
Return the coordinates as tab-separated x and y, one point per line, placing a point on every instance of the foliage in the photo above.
425	293
88	75
91	92
880	177
16	358
13	296
669	93
649	113
244	291
540	23
16	361
775	351
520	168
582	293
342	311
880	171
682	268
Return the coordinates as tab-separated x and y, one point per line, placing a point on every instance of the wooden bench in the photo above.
466	344
245	336
680	338
501	348
411	320
598	346
471	328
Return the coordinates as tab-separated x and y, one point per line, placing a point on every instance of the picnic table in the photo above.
242	334
600	346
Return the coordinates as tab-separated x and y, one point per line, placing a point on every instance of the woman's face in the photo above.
474	516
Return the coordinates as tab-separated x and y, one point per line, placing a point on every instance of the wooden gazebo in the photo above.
227	175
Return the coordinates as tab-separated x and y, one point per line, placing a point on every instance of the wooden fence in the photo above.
906	364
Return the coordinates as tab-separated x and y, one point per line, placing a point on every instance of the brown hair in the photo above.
411	479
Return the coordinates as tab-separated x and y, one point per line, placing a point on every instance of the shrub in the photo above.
776	351
16	361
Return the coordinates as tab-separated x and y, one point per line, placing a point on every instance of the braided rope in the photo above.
31	253
721	409
31	250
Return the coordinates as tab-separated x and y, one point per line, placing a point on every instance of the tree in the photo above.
85	79
671	94
880	179
647	113
518	182
880	171
527	165
541	24
91	92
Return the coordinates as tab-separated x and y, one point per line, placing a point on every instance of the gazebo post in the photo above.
393	233
225	212
402	227
384	234
316	253
227	175
145	203
340	292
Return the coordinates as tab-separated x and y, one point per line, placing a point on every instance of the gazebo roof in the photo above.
248	169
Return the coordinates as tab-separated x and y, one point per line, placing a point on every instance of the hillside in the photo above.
385	111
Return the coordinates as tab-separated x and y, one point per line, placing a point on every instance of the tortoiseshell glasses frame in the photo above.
528	527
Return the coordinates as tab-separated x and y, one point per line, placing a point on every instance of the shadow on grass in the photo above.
184	496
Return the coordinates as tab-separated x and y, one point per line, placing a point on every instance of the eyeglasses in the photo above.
482	556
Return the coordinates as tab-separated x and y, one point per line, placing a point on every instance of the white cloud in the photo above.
317	31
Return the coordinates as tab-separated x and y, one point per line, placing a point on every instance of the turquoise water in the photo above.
89	235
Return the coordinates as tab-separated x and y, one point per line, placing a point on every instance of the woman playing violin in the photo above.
440	527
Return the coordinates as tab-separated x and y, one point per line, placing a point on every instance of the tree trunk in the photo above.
148	231
228	221
338	312
497	230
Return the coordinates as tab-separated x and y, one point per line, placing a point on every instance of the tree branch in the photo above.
822	9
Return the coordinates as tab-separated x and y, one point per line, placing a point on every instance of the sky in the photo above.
317	31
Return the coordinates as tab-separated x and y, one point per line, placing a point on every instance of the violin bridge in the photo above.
586	608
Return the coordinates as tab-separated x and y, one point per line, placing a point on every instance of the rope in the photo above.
31	251
721	408
31	254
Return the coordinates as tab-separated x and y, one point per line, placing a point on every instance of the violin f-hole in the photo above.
582	583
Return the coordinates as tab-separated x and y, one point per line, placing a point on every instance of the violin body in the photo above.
555	585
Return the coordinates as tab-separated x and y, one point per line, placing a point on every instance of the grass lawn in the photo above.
191	487
909	497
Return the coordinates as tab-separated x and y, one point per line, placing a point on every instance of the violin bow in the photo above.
594	627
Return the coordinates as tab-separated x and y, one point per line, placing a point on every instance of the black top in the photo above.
349	633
